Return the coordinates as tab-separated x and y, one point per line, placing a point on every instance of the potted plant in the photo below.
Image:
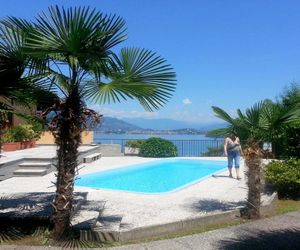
132	147
20	137
32	133
13	137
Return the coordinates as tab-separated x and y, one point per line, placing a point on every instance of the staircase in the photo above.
32	169
96	223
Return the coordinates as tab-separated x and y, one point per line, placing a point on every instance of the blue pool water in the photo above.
153	177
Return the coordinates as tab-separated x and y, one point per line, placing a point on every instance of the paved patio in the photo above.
126	211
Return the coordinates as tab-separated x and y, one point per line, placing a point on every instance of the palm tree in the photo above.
262	122
14	87
74	48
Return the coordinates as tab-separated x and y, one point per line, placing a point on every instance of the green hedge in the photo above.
285	175
158	147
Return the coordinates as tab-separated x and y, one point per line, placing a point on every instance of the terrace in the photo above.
122	216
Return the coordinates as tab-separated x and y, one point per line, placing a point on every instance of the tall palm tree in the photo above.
262	122
74	48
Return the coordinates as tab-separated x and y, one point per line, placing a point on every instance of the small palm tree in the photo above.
260	123
72	50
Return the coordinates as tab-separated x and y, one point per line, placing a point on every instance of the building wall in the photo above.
47	138
20	108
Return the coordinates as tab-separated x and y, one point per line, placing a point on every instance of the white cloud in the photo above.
186	101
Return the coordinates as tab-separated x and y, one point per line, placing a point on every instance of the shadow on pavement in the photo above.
262	240
209	205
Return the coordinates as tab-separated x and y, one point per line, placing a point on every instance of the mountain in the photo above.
114	124
169	124
110	124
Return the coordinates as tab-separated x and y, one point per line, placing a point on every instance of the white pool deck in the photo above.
211	195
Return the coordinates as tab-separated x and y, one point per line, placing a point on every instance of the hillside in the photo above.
114	125
110	124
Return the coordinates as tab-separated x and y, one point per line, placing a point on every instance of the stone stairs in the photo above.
96	223
32	169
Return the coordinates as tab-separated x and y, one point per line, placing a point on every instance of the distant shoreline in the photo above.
164	132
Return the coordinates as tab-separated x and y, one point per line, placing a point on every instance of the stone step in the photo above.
87	216
92	157
107	227
43	165
30	172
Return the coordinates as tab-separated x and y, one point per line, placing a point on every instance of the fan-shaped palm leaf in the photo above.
141	75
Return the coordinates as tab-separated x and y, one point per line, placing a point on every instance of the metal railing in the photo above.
188	148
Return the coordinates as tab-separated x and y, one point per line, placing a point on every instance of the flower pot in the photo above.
27	144
32	144
11	146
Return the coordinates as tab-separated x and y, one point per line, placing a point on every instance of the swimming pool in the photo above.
153	177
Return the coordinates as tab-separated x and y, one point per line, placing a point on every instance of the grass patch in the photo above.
286	206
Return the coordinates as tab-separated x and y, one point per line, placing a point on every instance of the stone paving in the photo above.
124	211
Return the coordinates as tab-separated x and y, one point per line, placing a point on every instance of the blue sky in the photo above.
229	53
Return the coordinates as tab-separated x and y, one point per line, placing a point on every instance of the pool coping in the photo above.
160	230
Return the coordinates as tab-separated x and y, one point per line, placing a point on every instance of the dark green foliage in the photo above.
158	147
214	151
285	175
134	143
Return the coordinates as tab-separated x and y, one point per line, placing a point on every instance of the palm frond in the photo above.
220	113
141	75
80	32
220	131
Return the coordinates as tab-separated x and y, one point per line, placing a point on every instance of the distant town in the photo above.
185	131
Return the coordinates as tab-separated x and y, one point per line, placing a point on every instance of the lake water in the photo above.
98	137
187	145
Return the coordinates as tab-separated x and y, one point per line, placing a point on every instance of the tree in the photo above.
72	49
14	87
262	122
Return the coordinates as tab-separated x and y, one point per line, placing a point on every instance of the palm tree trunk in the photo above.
68	138
253	163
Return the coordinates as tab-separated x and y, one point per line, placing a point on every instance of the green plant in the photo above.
214	151
33	131
158	147
134	143
285	176
15	134
25	132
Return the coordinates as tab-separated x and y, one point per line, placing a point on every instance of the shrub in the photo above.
134	143
214	151
285	176
158	147
21	133
15	134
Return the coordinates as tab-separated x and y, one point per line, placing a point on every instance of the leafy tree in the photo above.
71	50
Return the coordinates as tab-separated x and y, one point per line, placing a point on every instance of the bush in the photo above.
25	132
134	143
285	176
214	151
15	134
158	147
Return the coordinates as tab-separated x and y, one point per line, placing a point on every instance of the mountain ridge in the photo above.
140	124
